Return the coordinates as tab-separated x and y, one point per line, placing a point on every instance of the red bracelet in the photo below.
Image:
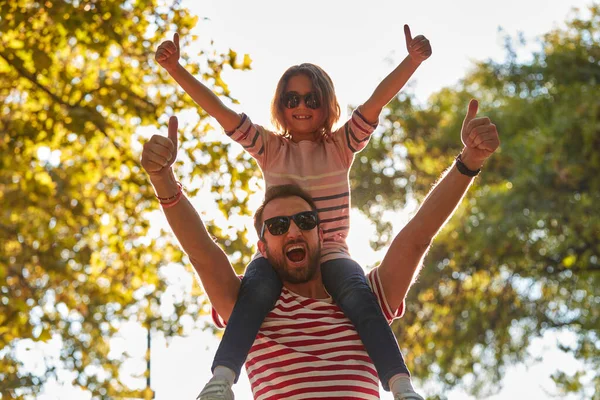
172	197
167	202
178	197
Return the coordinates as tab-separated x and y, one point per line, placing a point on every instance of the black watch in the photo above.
463	169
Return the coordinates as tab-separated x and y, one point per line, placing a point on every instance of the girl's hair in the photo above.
323	86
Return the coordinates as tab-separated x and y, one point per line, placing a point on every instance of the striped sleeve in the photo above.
356	132
219	322
252	138
377	287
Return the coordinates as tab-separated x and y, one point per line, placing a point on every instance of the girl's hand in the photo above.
160	152
419	48
167	54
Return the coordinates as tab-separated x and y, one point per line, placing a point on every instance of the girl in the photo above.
304	110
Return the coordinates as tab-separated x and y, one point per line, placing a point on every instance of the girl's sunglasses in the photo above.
305	220
292	100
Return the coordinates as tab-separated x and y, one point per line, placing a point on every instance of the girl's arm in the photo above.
419	50
167	55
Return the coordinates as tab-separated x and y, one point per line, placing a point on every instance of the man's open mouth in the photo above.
296	253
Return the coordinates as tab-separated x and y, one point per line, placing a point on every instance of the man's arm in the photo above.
405	255
218	278
167	55
419	50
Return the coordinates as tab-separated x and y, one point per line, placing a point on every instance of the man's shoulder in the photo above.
375	282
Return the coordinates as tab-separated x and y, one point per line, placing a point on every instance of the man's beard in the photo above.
295	275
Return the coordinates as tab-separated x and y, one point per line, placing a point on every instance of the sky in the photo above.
357	43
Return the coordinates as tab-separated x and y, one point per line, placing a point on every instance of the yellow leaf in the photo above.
247	61
569	260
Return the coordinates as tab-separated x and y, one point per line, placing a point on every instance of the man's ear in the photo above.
320	235
262	247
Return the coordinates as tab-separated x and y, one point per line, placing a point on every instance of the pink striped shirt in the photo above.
319	168
308	349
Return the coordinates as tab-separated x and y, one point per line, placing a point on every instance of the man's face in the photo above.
295	254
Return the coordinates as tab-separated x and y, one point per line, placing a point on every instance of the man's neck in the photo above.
313	289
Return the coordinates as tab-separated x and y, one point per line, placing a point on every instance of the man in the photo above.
306	348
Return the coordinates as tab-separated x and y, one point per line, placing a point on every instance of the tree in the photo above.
77	79
521	258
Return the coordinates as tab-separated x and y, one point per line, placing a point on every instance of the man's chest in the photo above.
295	333
308	354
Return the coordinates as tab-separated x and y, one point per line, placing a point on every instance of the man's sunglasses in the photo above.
292	100
305	220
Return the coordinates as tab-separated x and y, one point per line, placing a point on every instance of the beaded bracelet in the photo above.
178	197
161	199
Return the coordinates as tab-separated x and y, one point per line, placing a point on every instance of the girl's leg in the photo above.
258	294
345	280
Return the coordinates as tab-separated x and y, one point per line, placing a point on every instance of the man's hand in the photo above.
479	136
160	152
419	48
167	54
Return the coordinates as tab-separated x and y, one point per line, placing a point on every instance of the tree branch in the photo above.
33	79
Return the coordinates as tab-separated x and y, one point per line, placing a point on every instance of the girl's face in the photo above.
303	122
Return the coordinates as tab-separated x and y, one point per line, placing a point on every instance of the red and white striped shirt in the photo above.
320	168
308	349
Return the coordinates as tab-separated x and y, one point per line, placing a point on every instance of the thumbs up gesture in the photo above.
480	137
160	152
167	54
419	48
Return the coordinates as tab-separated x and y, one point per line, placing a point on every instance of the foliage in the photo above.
77	79
521	257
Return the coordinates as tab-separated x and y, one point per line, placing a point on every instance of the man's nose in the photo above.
294	231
